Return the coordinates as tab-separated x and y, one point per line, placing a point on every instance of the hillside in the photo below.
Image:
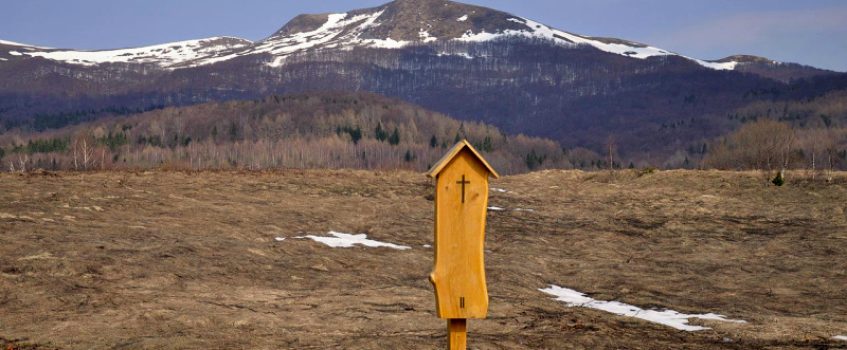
806	133
469	62
356	130
321	130
174	260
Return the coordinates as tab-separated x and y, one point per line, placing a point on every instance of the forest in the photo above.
370	131
803	134
325	130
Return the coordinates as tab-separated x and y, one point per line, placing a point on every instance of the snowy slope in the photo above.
380	27
340	30
170	55
12	43
539	31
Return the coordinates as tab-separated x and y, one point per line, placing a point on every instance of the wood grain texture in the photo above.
458	334
459	273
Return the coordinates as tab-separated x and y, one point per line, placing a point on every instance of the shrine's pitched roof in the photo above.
452	153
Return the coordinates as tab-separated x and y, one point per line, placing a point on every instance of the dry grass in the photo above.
188	260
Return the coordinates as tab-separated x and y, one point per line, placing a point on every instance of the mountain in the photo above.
470	62
398	24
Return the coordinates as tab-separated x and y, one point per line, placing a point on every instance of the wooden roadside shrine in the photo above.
461	204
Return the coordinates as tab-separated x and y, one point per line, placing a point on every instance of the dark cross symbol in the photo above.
463	183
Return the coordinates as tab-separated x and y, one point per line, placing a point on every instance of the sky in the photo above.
812	32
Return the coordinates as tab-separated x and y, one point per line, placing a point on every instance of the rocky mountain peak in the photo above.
412	20
409	19
746	59
301	24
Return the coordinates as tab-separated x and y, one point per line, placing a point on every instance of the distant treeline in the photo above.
809	134
45	121
362	130
328	130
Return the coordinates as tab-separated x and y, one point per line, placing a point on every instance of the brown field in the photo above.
170	260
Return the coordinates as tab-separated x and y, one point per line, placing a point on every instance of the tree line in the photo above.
360	130
298	131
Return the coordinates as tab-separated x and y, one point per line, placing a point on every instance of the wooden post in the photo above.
458	329
461	202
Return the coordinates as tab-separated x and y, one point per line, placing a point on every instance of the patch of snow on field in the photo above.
495	189
667	317
495	208
279	239
345	240
840	337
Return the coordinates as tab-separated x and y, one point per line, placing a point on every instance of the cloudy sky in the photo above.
812	32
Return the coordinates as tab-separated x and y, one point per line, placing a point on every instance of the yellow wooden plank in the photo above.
459	272
458	334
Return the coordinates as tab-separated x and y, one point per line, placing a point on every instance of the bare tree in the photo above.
610	143
763	144
83	150
22	161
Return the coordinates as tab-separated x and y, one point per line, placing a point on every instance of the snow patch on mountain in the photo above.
537	30
337	28
470	36
464	55
24	46
462	19
165	55
11	43
715	65
426	37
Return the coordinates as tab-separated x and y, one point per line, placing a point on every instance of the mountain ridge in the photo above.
396	24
